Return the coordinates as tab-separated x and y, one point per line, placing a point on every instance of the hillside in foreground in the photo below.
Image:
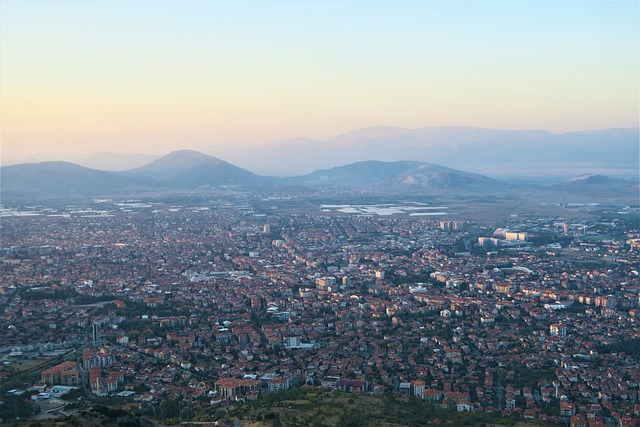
310	407
315	407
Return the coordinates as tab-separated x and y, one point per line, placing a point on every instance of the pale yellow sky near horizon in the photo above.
152	77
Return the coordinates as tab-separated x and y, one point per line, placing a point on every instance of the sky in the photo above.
80	77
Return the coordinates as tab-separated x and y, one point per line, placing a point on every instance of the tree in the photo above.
169	408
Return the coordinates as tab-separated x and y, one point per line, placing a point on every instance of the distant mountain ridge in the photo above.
369	172
179	170
62	177
400	175
594	184
189	170
499	152
494	152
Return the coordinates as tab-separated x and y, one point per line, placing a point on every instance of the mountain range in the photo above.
399	176
595	184
487	151
508	154
190	170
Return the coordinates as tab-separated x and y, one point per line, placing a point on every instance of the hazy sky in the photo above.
154	76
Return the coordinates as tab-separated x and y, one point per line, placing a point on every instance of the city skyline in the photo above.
85	77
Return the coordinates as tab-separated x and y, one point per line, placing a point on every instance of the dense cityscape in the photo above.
319	213
178	310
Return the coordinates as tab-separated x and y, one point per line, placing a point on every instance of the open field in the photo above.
27	364
485	209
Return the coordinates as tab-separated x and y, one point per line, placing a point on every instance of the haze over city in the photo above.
80	78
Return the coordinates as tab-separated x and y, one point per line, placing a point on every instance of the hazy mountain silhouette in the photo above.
595	184
372	172
189	169
400	175
178	170
499	152
50	178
